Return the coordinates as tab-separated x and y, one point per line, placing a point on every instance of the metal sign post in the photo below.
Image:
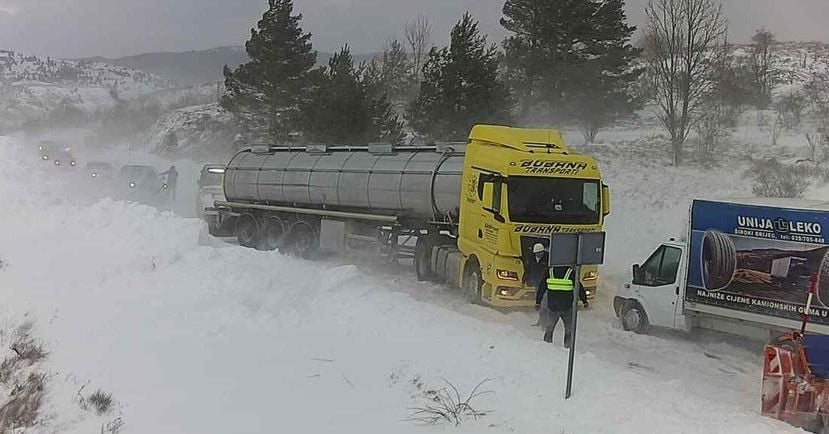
575	250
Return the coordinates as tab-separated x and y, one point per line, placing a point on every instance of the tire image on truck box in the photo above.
719	260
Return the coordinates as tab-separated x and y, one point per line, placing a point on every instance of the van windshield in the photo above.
554	200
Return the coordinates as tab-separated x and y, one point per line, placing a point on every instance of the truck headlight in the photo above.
72	163
590	275
507	275
45	157
164	186
132	185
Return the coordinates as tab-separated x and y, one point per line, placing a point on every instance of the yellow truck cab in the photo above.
520	186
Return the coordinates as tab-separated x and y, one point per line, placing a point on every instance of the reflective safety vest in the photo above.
565	284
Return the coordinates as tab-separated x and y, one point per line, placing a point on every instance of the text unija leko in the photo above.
771	304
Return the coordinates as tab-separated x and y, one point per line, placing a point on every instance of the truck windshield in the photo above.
554	200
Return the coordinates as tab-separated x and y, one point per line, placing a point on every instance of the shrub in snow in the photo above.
446	405
21	383
100	401
774	179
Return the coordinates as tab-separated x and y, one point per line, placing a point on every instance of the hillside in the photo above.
200	66
36	90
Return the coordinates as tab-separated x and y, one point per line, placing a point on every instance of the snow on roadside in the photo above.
202	337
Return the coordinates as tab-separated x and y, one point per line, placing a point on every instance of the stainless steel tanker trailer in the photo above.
475	209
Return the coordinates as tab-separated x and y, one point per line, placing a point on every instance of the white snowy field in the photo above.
192	335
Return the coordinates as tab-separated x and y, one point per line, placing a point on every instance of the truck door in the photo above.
657	285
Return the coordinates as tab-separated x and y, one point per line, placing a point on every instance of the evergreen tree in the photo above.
571	60
265	93
341	110
392	75
460	86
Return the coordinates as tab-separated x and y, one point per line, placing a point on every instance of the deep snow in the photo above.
193	335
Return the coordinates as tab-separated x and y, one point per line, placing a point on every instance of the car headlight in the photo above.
57	162
164	186
94	175
132	185
507	275
45	157
590	275
72	163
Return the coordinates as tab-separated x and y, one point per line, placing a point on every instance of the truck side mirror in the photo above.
636	268
605	200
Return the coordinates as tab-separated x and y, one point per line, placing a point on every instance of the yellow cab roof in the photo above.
521	139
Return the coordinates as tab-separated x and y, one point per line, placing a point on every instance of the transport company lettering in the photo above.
553	167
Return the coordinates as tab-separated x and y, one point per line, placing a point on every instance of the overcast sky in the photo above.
80	28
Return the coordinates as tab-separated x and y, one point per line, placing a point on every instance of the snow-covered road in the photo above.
192	335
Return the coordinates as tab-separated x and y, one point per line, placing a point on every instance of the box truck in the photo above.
744	268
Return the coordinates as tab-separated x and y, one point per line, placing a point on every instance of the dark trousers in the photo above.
566	317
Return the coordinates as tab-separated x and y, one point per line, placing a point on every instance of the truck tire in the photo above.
823	281
272	235
473	282
246	230
634	319
423	259
302	241
719	261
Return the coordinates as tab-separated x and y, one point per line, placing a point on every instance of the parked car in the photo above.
141	184
100	171
57	154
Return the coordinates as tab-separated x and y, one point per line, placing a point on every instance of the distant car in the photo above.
141	183
211	190
57	154
100	170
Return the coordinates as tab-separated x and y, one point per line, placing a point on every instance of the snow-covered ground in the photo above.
192	335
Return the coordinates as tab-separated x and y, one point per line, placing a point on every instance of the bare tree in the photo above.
418	35
761	64
679	36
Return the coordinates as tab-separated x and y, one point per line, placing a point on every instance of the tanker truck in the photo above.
467	214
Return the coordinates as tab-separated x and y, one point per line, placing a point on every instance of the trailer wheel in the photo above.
423	259
634	319
719	261
823	281
272	236
302	240
246	229
473	282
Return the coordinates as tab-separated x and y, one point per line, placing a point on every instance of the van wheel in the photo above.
634	319
719	261
303	240
473	282
423	259
246	229
272	235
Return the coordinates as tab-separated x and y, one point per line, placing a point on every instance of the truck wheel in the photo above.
634	318
246	229
303	240
719	261
473	282
423	259
272	236
823	281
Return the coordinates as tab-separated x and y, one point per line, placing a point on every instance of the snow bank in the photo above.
212	338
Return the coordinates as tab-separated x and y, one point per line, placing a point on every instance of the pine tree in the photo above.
460	86
341	110
265	92
570	60
392	75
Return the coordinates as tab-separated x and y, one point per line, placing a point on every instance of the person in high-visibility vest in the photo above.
554	299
